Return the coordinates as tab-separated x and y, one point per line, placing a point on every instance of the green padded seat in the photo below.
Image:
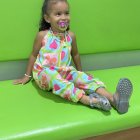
28	113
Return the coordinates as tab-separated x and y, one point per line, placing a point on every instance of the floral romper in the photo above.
52	70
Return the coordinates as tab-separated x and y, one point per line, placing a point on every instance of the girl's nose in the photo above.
63	16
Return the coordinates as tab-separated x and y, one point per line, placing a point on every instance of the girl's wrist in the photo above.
29	76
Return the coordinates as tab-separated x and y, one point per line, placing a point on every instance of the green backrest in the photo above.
100	26
18	27
106	25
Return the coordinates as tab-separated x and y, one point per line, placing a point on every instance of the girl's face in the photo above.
58	16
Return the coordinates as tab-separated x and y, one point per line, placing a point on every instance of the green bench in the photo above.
108	41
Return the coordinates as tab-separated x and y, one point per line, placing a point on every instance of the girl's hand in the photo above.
22	81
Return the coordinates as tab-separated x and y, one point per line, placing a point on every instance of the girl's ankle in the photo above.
86	100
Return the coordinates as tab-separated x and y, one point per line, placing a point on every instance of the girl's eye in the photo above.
67	13
58	14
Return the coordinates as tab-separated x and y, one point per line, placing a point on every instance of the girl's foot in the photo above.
102	102
122	95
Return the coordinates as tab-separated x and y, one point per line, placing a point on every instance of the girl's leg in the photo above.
86	100
102	91
51	79
119	100
88	83
67	90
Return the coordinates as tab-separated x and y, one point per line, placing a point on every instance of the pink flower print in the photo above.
38	67
78	82
63	74
48	57
56	87
53	45
44	81
80	95
52	68
68	38
69	77
82	86
60	69
99	83
74	90
67	95
51	60
59	77
46	60
62	55
90	77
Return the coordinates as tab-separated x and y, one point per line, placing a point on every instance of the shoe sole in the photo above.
124	90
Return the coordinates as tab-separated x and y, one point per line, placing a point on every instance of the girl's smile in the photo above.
63	25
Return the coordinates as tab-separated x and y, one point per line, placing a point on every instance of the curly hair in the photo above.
43	25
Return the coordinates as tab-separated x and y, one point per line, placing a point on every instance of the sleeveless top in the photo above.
55	52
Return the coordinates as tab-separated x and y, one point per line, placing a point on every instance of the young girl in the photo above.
50	60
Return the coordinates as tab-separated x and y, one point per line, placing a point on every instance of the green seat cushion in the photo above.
28	113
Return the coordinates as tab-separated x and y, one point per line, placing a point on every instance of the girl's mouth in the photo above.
63	25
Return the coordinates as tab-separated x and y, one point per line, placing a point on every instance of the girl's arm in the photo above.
74	53
32	58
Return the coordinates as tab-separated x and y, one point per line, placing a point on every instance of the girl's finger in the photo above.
19	81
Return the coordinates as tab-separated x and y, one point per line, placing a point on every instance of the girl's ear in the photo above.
46	17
